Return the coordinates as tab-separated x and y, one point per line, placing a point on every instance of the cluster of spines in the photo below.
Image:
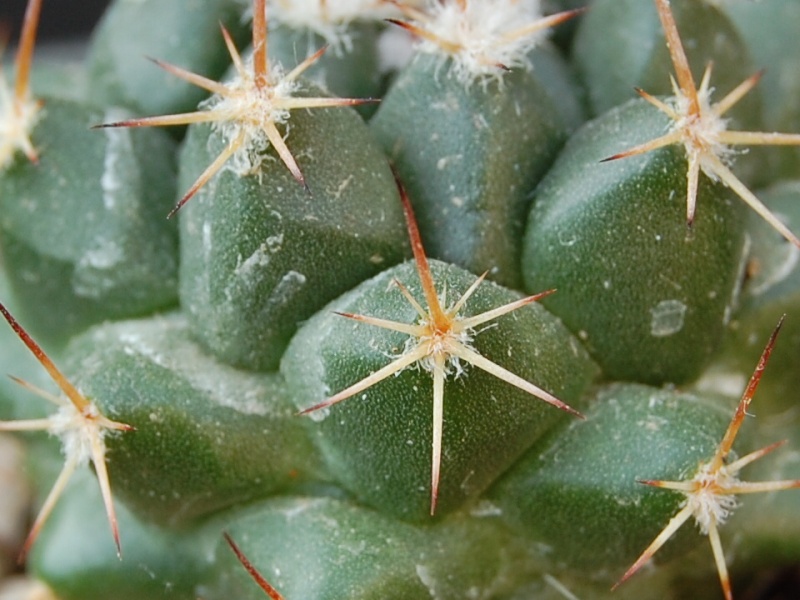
248	110
699	125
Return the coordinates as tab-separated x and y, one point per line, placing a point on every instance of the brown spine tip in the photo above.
614	157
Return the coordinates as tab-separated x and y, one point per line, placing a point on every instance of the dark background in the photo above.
60	20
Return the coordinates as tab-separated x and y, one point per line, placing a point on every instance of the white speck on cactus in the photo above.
76	430
703	131
480	39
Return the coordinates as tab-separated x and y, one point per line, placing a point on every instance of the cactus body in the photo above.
257	250
445	141
600	230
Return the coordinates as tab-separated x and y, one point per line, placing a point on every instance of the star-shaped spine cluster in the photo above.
19	111
248	110
439	342
81	427
484	38
700	126
710	496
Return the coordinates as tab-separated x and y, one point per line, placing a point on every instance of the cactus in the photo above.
307	335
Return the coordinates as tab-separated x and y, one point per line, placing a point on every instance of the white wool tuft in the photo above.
16	123
709	506
478	33
703	132
247	109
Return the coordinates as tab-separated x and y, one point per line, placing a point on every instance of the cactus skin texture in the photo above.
397	231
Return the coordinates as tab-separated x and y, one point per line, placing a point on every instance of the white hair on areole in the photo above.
705	129
76	430
248	109
479	33
709	507
17	119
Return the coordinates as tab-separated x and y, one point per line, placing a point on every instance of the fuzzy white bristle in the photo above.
703	130
479	34
438	344
247	108
76	431
17	120
710	507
